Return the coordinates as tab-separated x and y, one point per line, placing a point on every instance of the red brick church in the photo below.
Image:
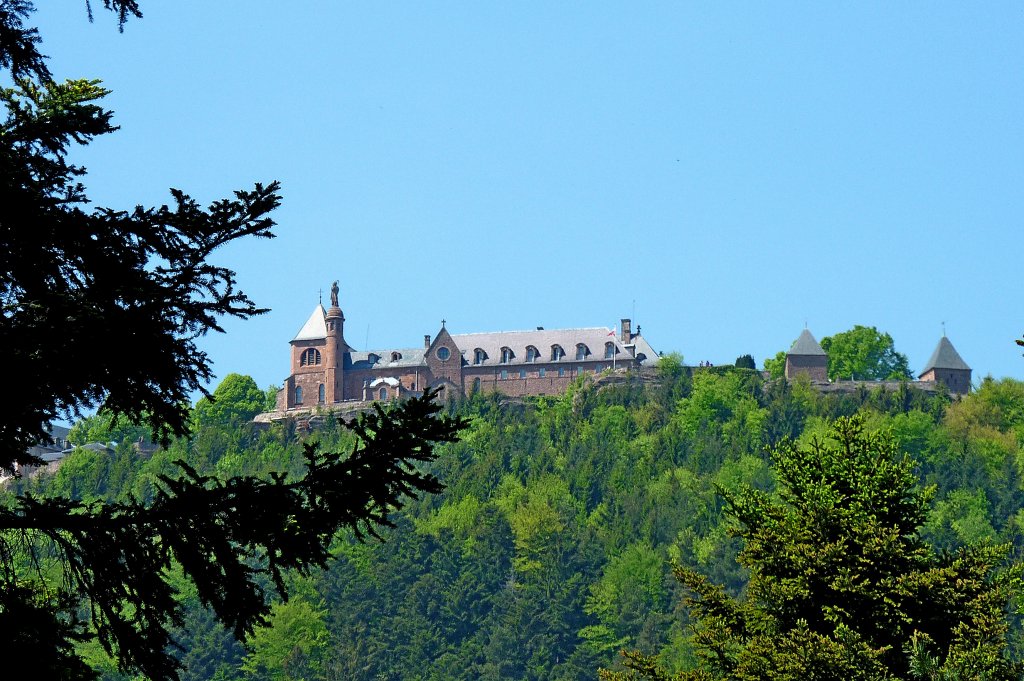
326	370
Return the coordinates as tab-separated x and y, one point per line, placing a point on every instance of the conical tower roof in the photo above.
806	345
945	357
315	327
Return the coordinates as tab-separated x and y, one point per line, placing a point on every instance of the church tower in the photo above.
334	370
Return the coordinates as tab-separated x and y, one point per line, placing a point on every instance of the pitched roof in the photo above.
407	357
805	345
543	339
945	357
315	327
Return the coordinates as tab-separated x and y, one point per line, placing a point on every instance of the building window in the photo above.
309	357
531	353
443	353
383	393
323	393
506	355
522	373
298	394
542	372
373	358
609	350
581	351
557	353
476	385
395	356
504	374
561	371
479	356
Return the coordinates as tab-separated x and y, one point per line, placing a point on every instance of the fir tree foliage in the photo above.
104	307
841	584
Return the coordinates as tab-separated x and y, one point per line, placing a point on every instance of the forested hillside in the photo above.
552	547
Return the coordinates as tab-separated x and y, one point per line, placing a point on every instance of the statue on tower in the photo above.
334	294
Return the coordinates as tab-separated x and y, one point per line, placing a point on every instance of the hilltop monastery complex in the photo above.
326	370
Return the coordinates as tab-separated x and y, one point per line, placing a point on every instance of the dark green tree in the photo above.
746	362
72	277
865	354
841	584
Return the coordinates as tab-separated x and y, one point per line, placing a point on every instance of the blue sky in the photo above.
721	172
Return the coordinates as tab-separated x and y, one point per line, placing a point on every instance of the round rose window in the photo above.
443	353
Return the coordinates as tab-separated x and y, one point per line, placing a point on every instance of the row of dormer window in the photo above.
533	354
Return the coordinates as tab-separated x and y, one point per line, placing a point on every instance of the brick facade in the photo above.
325	370
814	366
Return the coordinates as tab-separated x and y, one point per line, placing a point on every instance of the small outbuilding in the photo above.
807	357
947	367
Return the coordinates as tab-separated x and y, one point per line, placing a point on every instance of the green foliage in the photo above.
864	354
776	366
746	362
291	646
550	549
841	584
234	402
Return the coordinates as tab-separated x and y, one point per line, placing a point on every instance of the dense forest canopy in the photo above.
552	547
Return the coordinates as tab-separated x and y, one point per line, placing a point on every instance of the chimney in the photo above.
426	340
626	335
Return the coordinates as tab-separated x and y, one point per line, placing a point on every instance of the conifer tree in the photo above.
72	279
841	584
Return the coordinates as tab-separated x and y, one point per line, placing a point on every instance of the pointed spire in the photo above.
806	344
945	357
315	327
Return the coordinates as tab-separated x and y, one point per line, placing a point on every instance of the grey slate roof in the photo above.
806	345
945	357
408	357
594	338
517	341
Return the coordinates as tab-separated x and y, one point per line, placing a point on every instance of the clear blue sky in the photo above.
723	172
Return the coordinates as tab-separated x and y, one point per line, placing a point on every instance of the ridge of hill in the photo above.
551	548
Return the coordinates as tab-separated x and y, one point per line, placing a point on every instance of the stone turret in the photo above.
334	369
807	357
947	367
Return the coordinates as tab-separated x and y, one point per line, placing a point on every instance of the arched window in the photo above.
557	353
309	357
383	393
298	394
323	393
531	353
609	350
506	355
395	356
479	356
582	351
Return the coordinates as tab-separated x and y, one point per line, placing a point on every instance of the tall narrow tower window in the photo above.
323	393
298	394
